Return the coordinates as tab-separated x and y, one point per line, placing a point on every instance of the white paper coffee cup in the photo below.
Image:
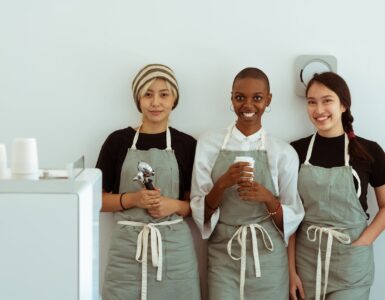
3	162
24	159
247	159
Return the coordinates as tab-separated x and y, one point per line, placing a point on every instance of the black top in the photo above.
115	148
329	152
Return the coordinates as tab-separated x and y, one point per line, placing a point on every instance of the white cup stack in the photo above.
247	159
24	162
3	162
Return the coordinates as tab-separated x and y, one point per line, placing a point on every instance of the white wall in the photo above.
66	67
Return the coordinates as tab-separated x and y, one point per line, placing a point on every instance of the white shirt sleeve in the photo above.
284	166
208	147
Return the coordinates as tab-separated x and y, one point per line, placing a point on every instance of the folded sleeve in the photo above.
293	211
207	150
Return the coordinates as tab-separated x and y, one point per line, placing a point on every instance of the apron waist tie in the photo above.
332	232
149	229
241	235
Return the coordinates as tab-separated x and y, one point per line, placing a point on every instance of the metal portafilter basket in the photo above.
145	171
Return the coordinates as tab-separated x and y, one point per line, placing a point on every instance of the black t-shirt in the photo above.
329	152
115	148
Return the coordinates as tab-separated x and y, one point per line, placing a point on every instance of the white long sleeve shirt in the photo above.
283	164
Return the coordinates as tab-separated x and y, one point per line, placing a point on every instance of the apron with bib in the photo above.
334	218
246	253
151	258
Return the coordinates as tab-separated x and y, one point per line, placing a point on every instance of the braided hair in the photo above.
338	85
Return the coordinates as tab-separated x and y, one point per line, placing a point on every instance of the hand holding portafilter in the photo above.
144	172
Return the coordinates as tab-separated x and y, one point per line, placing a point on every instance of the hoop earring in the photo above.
268	109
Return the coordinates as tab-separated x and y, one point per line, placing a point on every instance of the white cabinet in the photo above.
49	238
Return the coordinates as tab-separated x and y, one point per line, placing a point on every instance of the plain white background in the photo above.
66	68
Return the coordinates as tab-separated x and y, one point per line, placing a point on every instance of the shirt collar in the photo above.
241	137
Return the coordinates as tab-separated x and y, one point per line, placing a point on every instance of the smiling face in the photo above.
250	97
325	110
156	103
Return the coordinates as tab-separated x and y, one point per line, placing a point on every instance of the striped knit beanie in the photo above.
149	73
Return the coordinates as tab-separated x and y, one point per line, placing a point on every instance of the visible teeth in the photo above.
321	118
248	115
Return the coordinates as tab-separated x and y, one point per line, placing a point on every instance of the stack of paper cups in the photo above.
247	159
3	162
24	163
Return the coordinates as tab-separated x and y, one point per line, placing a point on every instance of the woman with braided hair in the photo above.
331	254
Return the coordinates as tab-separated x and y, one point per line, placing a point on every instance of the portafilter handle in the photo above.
145	171
149	185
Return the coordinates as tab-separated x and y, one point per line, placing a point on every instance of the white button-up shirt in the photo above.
283	163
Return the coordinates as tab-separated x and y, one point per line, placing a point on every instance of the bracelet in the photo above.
276	210
121	201
210	206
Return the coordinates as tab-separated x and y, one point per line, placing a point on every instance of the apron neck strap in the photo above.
346	150
230	130
346	158
310	150
227	137
168	138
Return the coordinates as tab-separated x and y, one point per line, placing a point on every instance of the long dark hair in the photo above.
339	86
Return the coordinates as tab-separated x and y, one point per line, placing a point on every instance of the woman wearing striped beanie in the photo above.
152	252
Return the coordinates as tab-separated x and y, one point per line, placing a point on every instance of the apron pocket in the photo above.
355	265
180	257
122	265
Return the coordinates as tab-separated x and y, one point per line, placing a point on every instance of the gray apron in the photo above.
333	214
242	265
173	272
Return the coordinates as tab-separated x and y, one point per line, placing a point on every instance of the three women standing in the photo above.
248	213
331	256
152	252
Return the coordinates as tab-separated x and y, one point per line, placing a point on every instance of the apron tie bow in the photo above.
332	232
151	230
241	235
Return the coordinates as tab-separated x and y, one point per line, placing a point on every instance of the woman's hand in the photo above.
236	172
165	208
147	199
253	191
296	286
360	242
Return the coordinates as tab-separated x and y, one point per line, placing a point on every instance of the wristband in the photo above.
121	201
276	210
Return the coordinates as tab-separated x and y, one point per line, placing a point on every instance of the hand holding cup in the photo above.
248	170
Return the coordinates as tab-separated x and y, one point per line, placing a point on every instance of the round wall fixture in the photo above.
307	65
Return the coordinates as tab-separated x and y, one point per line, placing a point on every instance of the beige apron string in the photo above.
309	150
241	235
135	140
168	138
332	232
156	248
263	140
358	181
347	158
227	137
